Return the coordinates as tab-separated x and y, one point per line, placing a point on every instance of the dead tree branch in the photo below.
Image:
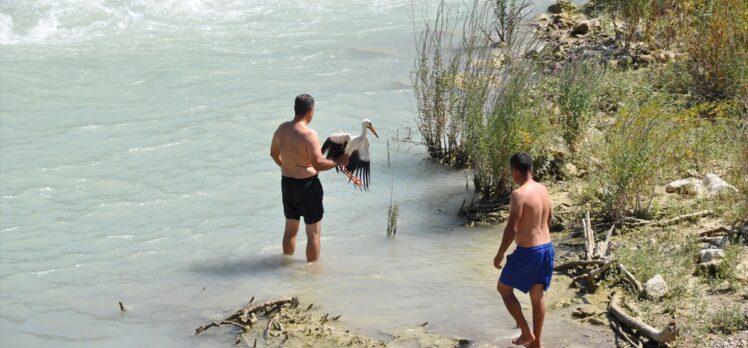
668	334
631	278
579	263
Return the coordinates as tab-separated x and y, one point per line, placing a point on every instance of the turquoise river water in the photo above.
134	141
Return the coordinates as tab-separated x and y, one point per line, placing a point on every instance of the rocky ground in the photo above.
568	33
693	261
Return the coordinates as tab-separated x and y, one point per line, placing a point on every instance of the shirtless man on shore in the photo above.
530	267
296	150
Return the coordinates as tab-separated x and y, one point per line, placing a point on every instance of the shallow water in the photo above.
134	168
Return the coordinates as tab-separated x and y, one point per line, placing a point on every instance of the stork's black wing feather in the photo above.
360	169
333	149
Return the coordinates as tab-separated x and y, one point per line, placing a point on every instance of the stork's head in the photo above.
366	124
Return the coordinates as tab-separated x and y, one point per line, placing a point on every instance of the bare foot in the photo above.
524	339
534	344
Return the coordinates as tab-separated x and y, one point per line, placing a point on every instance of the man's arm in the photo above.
515	212
275	150
314	150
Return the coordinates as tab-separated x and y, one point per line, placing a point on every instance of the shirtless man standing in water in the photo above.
530	266
295	149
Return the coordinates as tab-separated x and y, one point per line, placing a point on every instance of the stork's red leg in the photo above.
356	181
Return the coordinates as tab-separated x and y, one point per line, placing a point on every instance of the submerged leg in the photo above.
514	308
538	313
289	236
312	242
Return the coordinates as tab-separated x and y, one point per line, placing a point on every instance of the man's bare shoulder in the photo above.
282	126
517	195
541	188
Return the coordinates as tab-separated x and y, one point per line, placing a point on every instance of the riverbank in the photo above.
694	270
636	114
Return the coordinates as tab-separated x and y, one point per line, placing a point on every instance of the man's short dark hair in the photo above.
521	162
303	104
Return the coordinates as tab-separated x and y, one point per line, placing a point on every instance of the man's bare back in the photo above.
294	142
530	267
295	149
534	213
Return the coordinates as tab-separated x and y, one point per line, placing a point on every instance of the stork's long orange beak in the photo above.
374	131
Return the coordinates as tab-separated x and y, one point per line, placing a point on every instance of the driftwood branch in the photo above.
662	223
604	247
668	334
713	231
622	334
268	306
245	316
631	278
579	263
594	273
677	219
589	236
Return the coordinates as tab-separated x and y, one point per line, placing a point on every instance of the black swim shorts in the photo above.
302	197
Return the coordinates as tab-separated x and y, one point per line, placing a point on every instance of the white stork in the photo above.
357	149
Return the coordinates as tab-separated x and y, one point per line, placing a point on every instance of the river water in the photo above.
135	168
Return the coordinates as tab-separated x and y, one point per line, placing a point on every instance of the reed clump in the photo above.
473	91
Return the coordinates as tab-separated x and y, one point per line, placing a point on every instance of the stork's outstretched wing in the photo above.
359	164
335	145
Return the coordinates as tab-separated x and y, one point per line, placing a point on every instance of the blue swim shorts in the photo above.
528	266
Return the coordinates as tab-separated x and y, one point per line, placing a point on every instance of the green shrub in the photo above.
728	321
514	122
631	13
717	50
508	15
576	89
475	104
638	148
451	80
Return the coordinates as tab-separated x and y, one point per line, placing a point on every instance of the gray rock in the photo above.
562	6
581	29
715	186
689	186
571	170
655	288
645	59
563	21
625	60
555	8
709	255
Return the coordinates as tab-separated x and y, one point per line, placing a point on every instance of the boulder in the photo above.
571	170
563	21
689	187
562	6
555	8
712	254
714	185
655	288
645	59
581	29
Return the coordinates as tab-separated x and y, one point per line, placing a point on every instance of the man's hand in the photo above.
497	261
343	160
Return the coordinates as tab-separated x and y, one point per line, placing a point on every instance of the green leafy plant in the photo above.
576	89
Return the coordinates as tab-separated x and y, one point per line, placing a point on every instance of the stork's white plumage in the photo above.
357	149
